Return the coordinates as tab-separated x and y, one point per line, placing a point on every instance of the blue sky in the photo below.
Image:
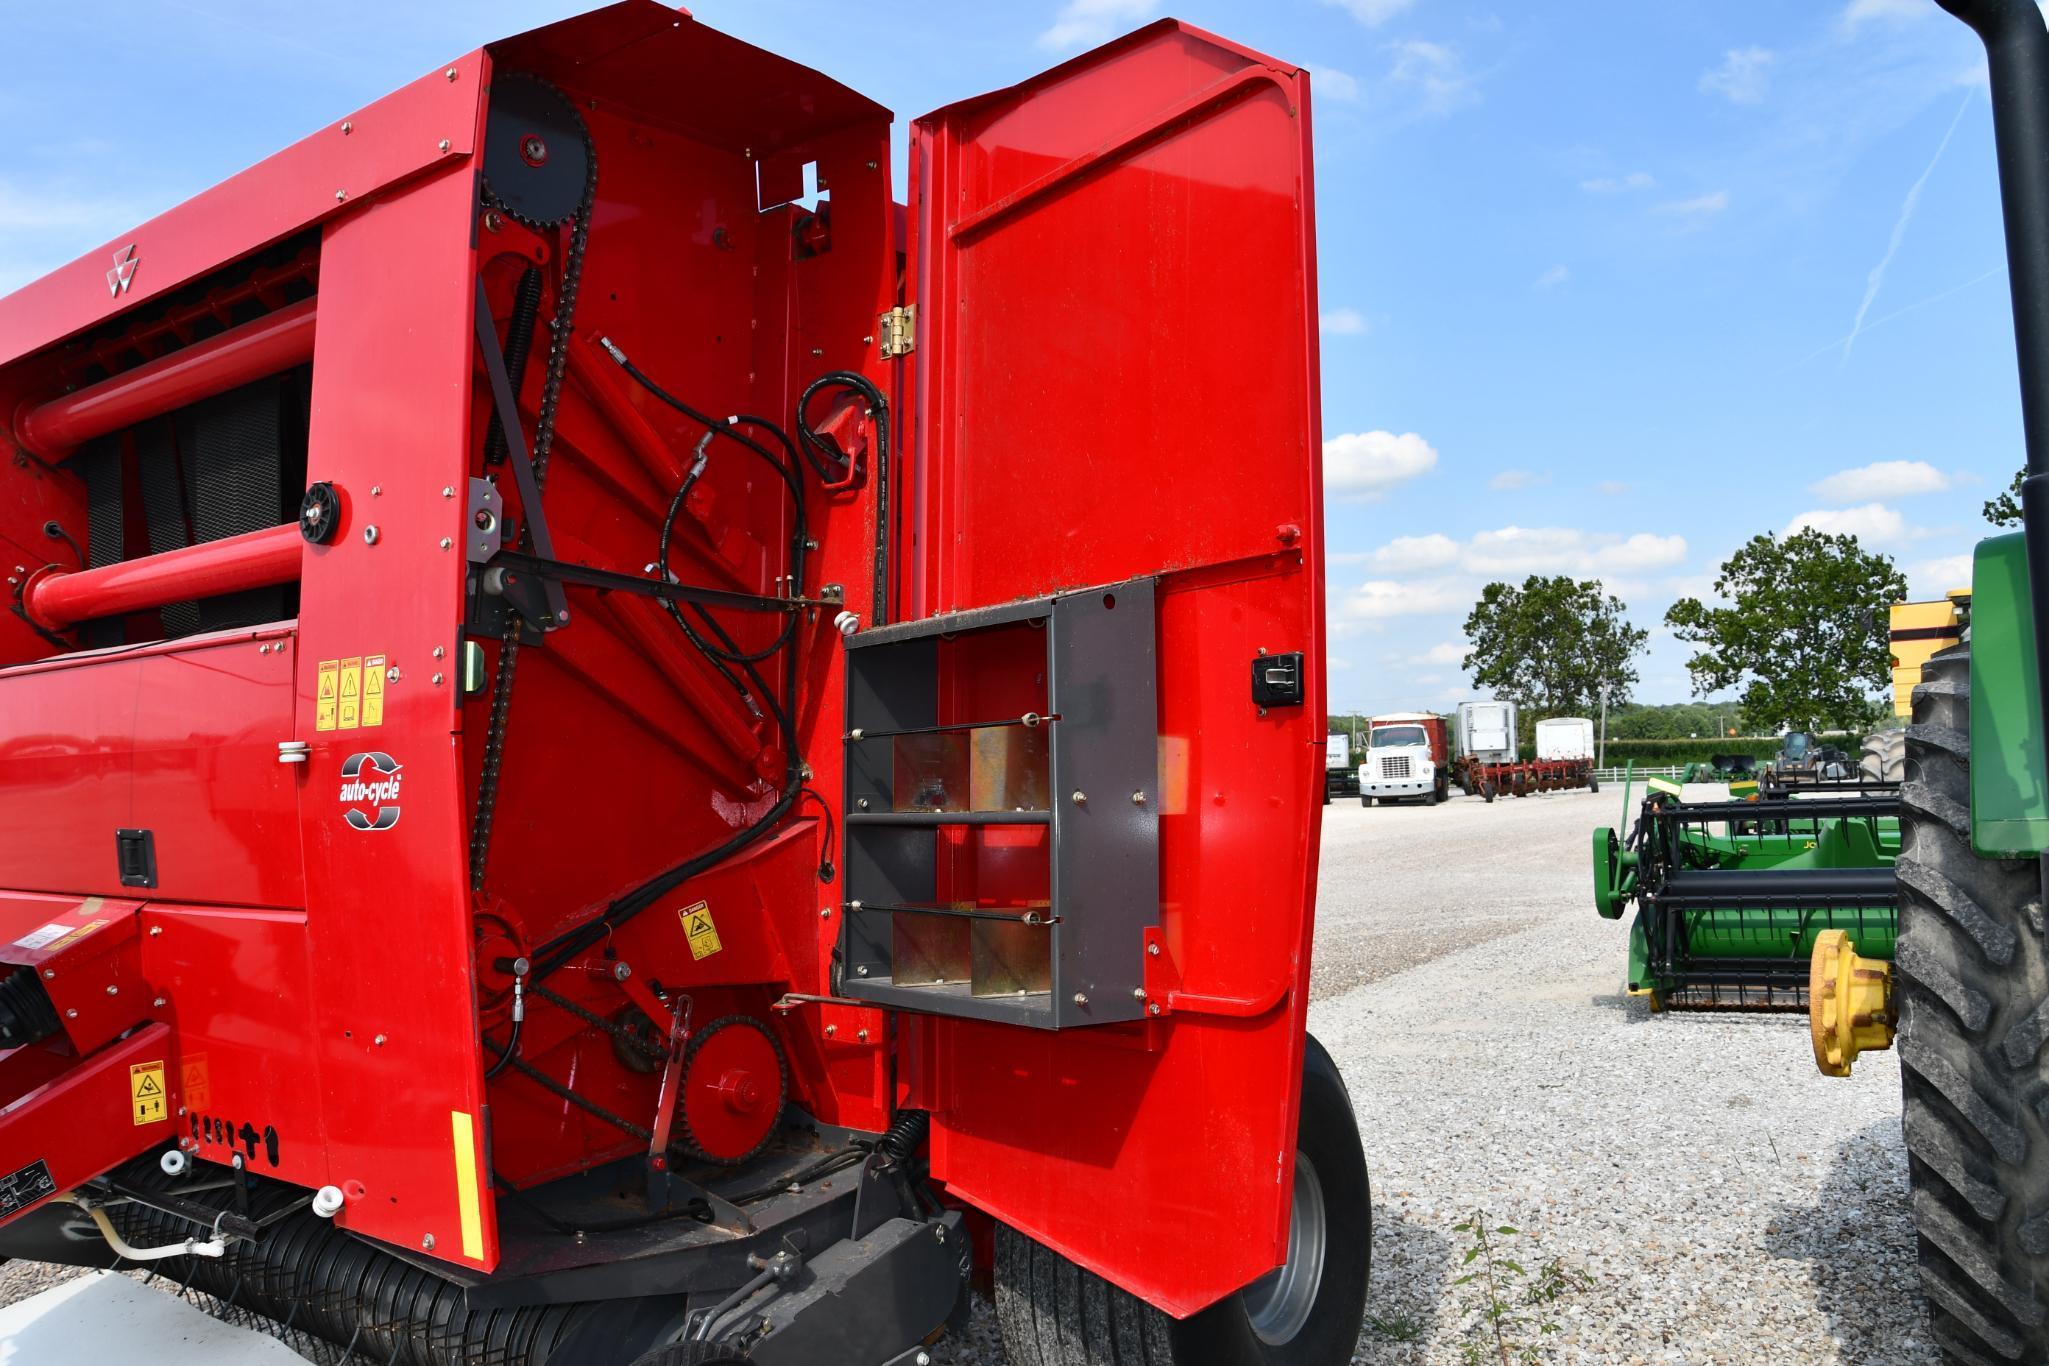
1607	288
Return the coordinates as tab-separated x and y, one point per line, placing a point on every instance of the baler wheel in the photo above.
1970	966
1054	1313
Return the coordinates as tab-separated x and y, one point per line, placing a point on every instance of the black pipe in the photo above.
2017	49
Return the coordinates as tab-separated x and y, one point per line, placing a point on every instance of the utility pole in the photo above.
1602	761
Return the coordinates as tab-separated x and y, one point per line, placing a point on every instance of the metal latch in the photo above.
292	751
897	332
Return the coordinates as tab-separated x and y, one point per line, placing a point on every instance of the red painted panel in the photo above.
179	739
1117	377
82	1121
387	910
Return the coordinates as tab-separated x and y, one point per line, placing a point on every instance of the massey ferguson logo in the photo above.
370	780
123	272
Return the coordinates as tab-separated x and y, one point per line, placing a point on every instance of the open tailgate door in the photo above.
1116	381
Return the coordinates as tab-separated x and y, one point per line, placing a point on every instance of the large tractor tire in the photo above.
1307	1313
1973	1006
1885	757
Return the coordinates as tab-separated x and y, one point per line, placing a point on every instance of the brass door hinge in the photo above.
897	332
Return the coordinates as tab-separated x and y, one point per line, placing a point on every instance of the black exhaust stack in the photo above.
2017	46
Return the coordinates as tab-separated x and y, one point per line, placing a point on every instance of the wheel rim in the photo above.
1279	1303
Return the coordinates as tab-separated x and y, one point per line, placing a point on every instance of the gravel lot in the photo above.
1704	1194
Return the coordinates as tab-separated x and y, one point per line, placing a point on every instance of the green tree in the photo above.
1550	644
1805	626
2005	510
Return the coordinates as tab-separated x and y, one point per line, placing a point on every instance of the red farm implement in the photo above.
606	754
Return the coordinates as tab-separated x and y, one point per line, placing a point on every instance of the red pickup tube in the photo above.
56	598
264	346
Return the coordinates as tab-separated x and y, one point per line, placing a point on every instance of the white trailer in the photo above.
1486	731
1565	737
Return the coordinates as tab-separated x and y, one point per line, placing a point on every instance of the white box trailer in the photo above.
1486	731
1565	737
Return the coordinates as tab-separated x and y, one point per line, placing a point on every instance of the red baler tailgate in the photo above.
1117	379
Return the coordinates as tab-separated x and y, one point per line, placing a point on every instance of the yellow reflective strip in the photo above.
466	1185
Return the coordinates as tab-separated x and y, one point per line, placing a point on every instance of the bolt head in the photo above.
1080	798
1153	1009
379	1040
161	1003
71	1014
348	127
391	674
155	930
1081	998
831	1030
1153	950
113	990
861	970
340	195
861	1034
427	1242
49	972
446	542
442	145
369	535
447	492
450	73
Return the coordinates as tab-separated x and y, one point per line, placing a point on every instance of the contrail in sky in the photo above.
1876	279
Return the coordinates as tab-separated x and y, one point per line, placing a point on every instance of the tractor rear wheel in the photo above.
1885	757
1973	1006
1306	1313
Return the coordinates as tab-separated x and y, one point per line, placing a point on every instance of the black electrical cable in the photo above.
825	863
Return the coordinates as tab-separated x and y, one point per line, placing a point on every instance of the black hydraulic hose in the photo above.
816	451
519	344
565	947
2017	51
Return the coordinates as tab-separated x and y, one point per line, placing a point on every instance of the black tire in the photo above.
1884	758
1973	1014
1053	1313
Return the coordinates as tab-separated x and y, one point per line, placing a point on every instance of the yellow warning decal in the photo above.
467	1206
72	936
698	929
351	709
325	696
146	1091
373	690
1665	785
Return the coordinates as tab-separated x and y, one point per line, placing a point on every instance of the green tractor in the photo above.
1968	990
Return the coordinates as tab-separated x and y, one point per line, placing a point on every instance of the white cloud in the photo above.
1432	75
1334	84
1552	278
1450	652
1876	279
1084	22
1408	554
1514	551
1372	13
1860	12
1871	523
1344	322
1378	600
1368	464
1934	578
1635	180
1517	479
1697	209
1884	479
1742	76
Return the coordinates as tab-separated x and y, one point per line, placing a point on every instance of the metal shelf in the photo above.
937	818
